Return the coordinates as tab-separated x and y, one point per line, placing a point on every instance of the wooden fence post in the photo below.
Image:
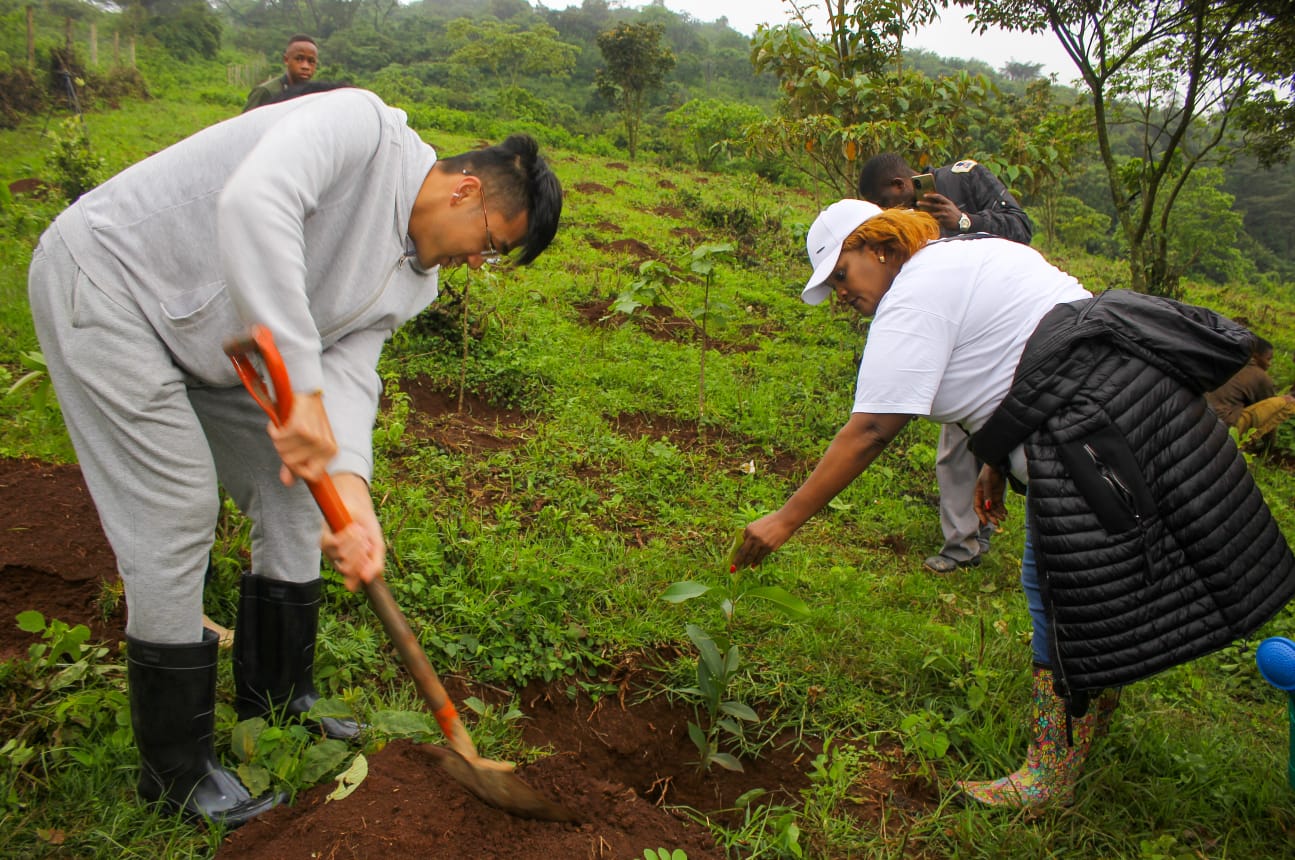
31	40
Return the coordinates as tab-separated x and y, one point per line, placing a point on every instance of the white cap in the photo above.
825	239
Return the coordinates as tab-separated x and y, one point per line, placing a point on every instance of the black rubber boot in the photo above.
274	652
173	711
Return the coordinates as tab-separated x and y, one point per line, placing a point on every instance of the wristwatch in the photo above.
964	223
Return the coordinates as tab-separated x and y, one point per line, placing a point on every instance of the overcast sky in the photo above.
950	37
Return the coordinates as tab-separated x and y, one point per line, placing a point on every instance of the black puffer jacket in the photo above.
1154	544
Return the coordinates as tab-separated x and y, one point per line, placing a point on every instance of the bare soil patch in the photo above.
732	448
636	248
661	323
30	187
475	425
591	188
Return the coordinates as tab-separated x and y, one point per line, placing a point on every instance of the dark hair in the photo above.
304	88
299	37
517	179
878	172
1262	346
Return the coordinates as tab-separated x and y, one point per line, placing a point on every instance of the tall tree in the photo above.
1194	78
1016	71
637	63
846	94
506	51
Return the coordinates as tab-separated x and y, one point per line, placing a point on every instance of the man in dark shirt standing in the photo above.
300	60
967	199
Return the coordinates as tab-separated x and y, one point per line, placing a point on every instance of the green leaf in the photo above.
746	798
710	656
31	378
255	778
242	740
680	591
727	762
731	661
740	710
729	726
698	738
403	724
70	641
322	759
786	602
350	779
31	621
335	708
625	304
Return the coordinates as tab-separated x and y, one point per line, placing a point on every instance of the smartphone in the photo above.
923	184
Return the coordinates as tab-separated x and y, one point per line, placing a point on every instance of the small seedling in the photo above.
664	854
718	662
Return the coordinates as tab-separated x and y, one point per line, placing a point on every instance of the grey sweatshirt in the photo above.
294	216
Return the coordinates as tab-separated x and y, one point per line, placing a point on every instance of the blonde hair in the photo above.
900	233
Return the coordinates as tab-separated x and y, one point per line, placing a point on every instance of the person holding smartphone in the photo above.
964	198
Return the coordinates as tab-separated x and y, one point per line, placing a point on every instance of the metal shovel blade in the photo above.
499	788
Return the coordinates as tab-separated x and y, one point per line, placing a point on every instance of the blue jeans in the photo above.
1030	582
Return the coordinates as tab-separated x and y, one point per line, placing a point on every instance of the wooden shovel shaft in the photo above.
416	662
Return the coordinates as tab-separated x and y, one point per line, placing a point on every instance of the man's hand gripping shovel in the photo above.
491	781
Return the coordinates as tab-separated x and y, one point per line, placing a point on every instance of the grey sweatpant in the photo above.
152	448
955	473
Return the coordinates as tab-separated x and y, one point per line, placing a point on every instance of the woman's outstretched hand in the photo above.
991	489
759	539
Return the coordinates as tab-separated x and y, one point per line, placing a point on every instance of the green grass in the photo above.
583	527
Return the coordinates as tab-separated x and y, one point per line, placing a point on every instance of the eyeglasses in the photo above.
491	255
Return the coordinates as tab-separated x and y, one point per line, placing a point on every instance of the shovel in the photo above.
491	781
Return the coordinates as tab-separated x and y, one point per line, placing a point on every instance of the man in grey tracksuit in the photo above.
325	219
968	199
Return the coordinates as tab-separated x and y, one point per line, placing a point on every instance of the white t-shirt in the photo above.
949	332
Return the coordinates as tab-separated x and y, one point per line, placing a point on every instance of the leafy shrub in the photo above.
20	94
73	168
439	118
113	86
522	104
707	126
404	86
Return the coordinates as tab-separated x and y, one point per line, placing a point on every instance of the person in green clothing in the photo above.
300	60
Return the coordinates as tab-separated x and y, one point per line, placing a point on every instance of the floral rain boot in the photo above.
1052	765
